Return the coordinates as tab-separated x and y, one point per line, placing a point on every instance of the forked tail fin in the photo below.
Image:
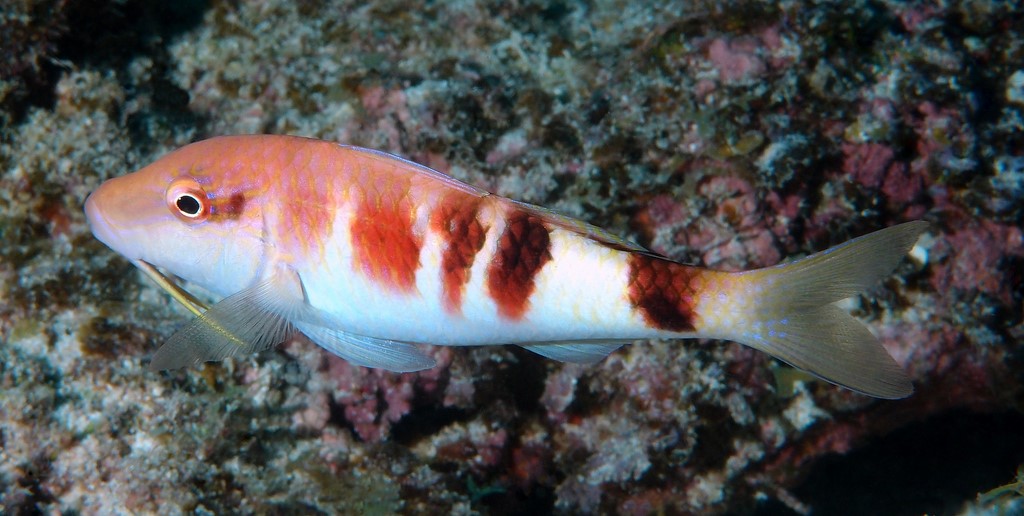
789	312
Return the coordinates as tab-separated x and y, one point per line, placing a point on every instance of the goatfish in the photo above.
370	255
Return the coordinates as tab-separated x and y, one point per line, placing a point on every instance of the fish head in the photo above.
192	213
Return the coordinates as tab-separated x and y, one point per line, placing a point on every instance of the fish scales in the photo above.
371	255
461	280
463	235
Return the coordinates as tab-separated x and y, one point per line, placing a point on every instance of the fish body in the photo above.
369	254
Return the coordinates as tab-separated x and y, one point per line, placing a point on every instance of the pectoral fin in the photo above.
241	324
263	316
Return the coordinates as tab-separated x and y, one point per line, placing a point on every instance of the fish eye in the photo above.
188	205
188	201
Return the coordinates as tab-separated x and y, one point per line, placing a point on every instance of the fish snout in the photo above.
99	225
124	209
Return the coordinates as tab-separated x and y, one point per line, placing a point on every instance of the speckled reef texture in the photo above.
729	134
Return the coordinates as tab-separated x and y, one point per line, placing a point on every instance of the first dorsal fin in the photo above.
392	160
578	226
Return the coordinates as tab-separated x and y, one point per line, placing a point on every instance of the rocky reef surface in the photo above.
728	134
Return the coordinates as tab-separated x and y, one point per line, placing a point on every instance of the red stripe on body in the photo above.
232	207
663	292
523	249
456	221
386	249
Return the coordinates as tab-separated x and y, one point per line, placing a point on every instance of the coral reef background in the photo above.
731	134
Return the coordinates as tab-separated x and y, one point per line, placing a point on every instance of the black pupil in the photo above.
188	205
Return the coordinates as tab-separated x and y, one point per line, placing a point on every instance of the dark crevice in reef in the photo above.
84	34
423	422
109	34
929	467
